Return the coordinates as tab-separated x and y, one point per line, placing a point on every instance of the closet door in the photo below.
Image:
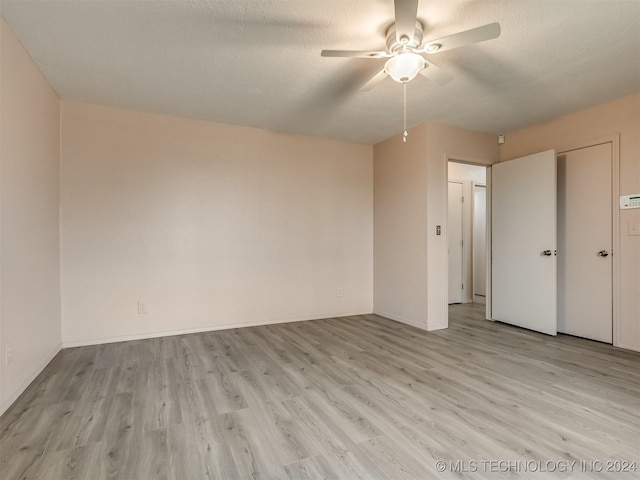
585	266
524	210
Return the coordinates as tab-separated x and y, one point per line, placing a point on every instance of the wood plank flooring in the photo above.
345	398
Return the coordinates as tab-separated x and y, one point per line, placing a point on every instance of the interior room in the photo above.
319	239
467	233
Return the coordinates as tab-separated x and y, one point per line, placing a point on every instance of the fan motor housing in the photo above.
395	46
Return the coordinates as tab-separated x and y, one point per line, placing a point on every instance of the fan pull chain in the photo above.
405	134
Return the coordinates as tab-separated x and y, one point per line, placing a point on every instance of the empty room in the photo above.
319	239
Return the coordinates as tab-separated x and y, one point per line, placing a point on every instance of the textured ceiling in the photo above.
257	62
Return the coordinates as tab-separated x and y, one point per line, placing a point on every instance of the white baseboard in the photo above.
627	347
13	396
209	328
400	319
440	326
480	299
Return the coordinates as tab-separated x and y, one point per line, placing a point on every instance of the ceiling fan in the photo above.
405	47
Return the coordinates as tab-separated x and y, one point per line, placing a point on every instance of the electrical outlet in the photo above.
339	293
8	353
142	308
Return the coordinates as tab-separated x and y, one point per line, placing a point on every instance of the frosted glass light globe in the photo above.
404	67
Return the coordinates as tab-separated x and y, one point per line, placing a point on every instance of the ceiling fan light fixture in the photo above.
404	67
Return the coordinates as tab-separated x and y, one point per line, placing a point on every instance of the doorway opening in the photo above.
467	234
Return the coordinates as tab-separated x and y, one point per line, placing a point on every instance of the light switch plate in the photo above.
633	230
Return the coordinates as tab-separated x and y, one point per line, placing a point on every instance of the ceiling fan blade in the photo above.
475	35
435	74
374	81
355	53
406	17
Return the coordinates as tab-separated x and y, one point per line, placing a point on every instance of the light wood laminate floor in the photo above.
346	398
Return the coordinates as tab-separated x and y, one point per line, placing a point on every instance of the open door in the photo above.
454	242
524	242
479	247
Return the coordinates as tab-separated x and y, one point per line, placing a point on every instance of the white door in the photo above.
585	268
454	242
479	241
524	242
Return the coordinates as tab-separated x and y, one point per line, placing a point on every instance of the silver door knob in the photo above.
547	253
603	253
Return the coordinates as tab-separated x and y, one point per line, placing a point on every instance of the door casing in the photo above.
445	181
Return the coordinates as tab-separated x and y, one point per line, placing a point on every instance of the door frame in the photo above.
473	234
614	140
478	162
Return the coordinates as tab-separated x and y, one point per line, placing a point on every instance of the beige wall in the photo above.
209	225
410	199
447	143
619	117
29	235
400	228
419	185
